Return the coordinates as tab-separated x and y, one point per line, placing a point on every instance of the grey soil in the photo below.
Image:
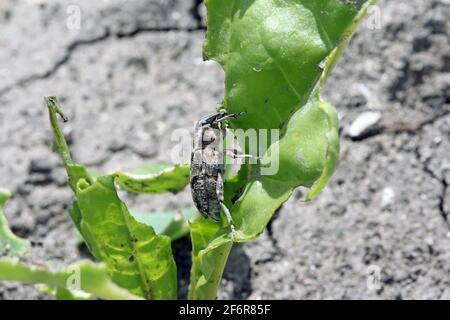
134	71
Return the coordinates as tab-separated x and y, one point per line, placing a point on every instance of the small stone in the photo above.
364	123
387	197
437	140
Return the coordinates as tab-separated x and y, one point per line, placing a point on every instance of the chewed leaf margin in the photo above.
170	179
10	244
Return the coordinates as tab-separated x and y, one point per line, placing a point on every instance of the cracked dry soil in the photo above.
134	71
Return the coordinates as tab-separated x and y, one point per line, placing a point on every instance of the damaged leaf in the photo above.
155	179
136	257
10	244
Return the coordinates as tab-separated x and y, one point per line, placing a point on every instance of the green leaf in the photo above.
308	155
174	224
277	55
155	179
136	257
89	277
211	246
271	52
10	245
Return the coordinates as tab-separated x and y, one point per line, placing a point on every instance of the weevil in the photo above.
207	167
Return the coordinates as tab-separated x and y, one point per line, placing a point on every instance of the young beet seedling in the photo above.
207	167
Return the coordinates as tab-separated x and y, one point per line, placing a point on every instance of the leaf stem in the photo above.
55	109
206	286
75	171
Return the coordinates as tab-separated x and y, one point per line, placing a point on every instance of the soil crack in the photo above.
442	181
140	30
71	48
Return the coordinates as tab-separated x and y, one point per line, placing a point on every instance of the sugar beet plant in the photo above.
277	55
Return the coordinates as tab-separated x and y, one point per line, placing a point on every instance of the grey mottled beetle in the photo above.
207	167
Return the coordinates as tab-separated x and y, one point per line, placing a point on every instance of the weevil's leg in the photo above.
228	116
211	118
219	191
238	155
230	221
235	154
